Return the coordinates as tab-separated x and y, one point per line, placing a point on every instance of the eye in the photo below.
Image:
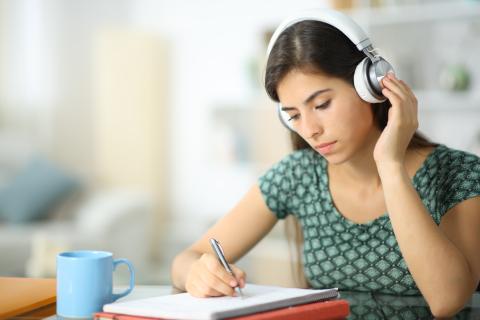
323	105
294	117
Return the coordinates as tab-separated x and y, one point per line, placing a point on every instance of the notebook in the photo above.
256	298
22	296
325	310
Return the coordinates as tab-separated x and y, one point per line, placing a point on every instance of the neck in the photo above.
361	167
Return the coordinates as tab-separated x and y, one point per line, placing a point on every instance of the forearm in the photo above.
180	267
440	270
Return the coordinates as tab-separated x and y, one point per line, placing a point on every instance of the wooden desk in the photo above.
362	305
33	298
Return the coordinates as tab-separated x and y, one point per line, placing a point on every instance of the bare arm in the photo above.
443	260
197	270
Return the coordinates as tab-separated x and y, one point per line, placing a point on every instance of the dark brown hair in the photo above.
317	47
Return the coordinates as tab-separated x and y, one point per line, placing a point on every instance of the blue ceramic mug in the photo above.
85	282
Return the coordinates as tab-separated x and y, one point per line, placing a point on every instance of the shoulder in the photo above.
298	163
292	180
280	181
447	164
301	157
454	159
456	174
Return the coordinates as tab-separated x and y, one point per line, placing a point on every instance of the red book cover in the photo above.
331	309
117	316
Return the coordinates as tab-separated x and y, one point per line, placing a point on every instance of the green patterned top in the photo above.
362	257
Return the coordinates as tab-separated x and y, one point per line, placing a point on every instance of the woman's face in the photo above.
328	113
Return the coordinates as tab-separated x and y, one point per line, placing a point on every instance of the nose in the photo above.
311	126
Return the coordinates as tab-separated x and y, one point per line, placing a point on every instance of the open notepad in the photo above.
257	298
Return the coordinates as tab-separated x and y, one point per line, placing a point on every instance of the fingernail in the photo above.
233	283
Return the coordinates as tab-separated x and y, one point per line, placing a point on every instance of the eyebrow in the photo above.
310	98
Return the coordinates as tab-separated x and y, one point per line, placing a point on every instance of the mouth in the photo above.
325	147
324	144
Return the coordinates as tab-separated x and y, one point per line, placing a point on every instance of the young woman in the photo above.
380	208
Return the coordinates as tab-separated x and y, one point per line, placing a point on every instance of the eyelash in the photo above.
323	106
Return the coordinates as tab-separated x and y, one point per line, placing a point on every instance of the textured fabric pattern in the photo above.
364	257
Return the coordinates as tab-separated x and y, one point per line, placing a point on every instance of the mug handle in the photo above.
116	262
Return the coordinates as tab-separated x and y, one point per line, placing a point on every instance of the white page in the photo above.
184	306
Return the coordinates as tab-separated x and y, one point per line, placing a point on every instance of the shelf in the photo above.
419	13
428	100
447	101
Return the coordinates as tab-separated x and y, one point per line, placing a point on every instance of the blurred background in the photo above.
132	126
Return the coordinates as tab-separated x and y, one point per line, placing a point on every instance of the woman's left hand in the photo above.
402	122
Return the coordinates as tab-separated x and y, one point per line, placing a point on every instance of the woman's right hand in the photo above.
208	278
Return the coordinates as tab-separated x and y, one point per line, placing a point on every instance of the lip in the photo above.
325	148
324	144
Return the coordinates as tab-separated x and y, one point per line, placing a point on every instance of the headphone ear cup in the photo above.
361	82
284	117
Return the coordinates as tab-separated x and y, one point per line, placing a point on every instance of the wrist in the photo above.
181	267
391	170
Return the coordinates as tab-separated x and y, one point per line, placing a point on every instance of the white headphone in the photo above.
368	73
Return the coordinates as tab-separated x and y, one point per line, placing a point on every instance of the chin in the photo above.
337	156
335	159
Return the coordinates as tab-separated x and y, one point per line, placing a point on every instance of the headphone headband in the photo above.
368	73
334	18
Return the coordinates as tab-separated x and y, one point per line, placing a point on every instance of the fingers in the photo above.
404	102
216	268
394	98
397	90
392	77
240	275
211	281
208	278
200	289
394	85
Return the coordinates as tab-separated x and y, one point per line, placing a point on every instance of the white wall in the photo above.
213	41
46	87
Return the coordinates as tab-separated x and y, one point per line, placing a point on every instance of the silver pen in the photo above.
220	255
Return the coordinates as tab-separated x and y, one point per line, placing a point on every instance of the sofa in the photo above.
44	210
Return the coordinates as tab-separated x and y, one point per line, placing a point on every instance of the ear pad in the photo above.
367	79
362	83
284	117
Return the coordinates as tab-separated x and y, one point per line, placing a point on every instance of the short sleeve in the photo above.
291	183
276	185
461	179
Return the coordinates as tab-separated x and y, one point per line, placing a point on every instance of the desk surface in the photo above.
362	305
